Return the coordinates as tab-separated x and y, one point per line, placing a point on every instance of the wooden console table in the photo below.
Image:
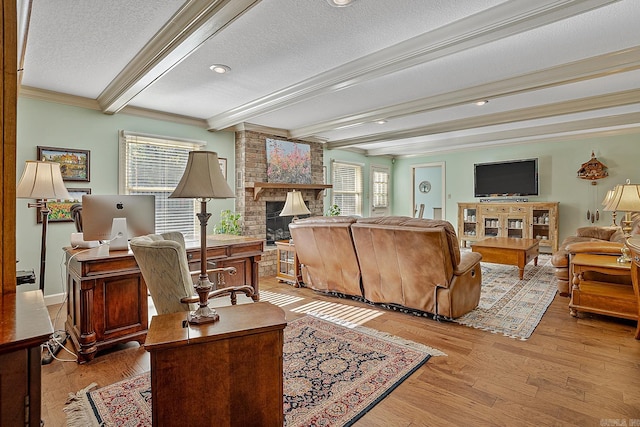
25	325
107	296
227	373
611	299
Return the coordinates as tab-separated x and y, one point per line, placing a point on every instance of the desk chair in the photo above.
162	259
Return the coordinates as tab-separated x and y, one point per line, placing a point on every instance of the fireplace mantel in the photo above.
258	187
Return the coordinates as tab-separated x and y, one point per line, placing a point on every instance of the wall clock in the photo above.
424	187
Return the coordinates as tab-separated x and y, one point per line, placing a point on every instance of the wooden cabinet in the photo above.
107	296
25	325
288	268
227	373
526	220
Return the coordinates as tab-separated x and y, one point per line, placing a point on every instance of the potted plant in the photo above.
334	210
229	223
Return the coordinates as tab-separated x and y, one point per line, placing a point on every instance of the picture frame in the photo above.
60	209
223	166
74	163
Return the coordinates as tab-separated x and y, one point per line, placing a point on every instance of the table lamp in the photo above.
605	202
625	198
203	180
42	181
294	206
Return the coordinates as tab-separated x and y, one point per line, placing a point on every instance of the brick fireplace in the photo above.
251	168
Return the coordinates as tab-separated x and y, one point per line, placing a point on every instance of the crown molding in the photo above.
283	133
591	103
192	25
509	18
586	69
570	130
92	104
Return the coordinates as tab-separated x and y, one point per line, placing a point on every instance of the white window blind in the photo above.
154	165
380	189
347	187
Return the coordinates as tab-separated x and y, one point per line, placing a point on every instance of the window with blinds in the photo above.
347	187
154	165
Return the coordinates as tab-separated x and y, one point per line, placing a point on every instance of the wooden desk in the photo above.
25	325
107	296
227	373
611	299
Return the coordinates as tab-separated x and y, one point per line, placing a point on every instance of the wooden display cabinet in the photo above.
525	220
288	268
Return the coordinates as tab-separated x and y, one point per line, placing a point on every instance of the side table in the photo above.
611	299
227	373
288	268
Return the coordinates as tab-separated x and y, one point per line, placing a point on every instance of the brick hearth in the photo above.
251	166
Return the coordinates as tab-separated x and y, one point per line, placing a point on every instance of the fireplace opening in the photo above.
278	226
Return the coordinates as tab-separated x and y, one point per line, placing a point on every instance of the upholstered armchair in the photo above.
162	259
592	239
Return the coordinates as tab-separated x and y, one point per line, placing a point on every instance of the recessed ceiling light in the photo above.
483	102
340	3
380	122
219	68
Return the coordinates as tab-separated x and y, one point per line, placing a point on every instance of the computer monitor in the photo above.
117	218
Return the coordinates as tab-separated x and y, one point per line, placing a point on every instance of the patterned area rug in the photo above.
332	376
511	306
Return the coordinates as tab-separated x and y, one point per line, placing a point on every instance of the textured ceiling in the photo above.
305	69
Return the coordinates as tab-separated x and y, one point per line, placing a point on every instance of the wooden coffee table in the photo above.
509	251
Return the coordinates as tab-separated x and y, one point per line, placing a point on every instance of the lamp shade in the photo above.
608	197
41	180
625	198
294	205
202	178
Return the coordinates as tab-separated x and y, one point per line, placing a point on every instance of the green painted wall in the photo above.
55	125
558	165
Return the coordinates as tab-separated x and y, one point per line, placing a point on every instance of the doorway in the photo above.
429	190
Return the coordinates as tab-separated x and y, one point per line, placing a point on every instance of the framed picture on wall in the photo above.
223	166
61	209
74	164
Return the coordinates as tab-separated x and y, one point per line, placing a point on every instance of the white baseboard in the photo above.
54	299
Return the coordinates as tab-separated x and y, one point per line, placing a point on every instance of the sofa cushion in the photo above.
405	221
601	233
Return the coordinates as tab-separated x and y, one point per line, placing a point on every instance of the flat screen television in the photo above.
117	218
508	178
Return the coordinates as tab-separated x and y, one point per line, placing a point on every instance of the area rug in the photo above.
511	306
333	375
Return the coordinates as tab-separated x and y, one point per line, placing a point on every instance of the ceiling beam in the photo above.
585	69
183	34
509	18
530	113
557	131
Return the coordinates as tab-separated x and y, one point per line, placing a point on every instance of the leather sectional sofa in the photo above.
397	261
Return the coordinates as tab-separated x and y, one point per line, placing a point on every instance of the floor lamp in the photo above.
42	181
203	180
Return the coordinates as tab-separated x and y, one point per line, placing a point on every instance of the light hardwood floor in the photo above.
583	372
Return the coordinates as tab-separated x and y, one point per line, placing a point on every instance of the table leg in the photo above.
521	272
535	261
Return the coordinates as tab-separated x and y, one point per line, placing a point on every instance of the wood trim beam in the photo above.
9	67
183	34
512	17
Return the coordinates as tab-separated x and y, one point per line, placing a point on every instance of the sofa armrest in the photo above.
468	260
595	247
